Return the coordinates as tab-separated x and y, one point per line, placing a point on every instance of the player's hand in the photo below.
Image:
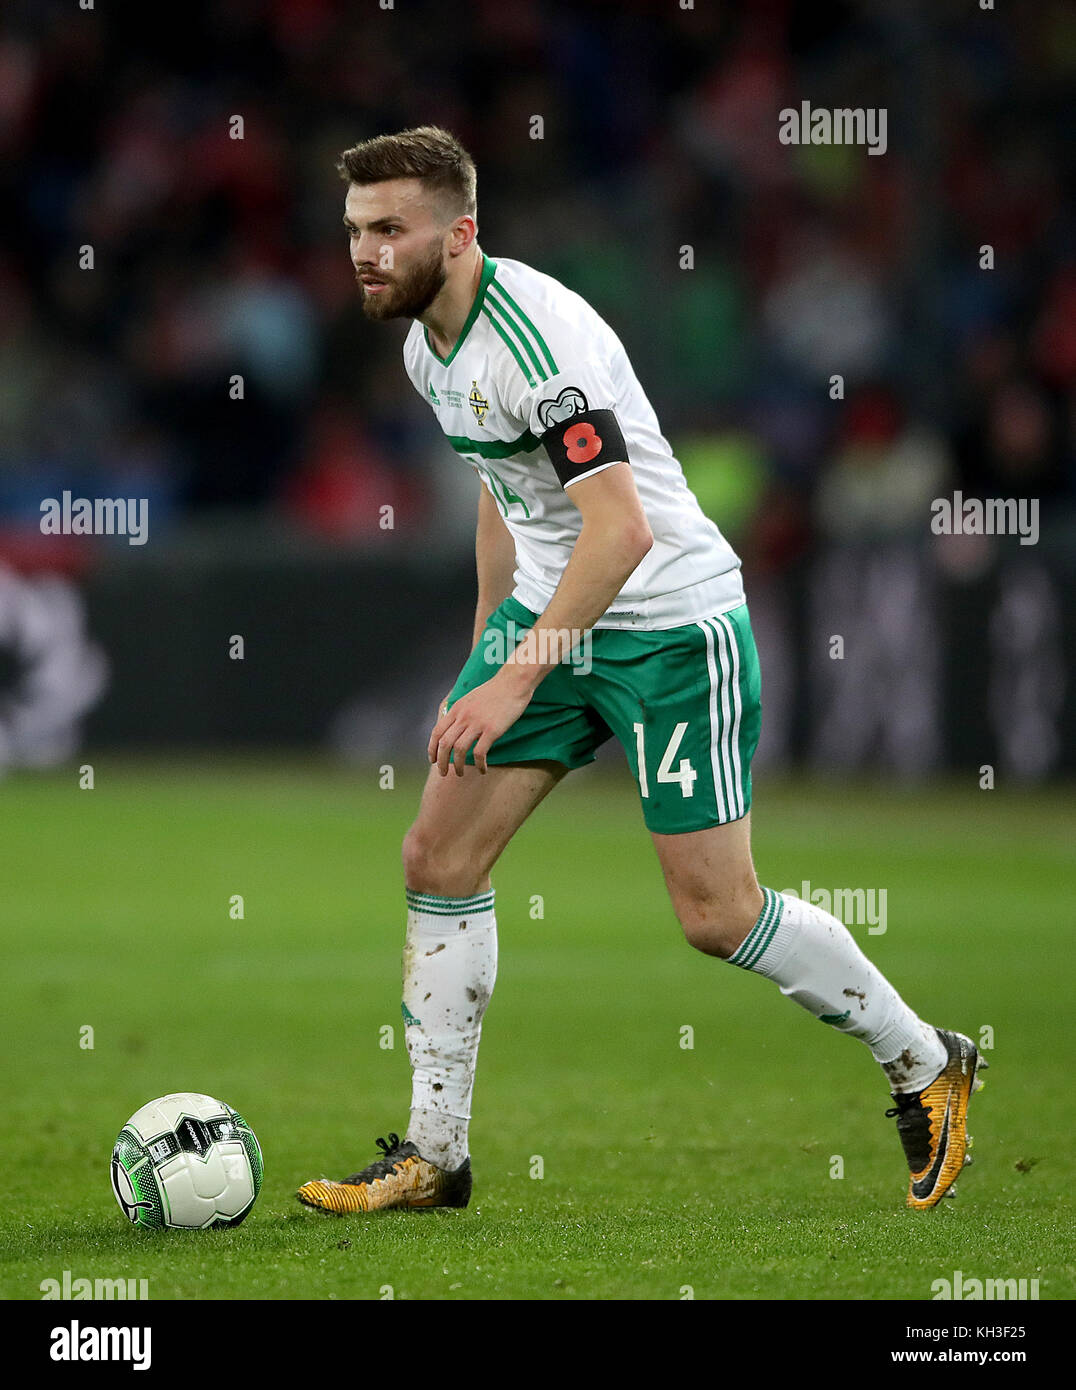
478	718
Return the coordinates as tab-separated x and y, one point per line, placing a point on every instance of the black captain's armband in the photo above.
583	443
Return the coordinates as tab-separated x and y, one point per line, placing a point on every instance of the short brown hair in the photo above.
426	153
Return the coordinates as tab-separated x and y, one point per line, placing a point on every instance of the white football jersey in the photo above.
537	394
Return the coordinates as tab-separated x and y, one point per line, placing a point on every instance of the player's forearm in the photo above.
605	555
483	608
493	589
495	563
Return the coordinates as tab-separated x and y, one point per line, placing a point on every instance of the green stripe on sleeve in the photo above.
537	336
510	346
492	303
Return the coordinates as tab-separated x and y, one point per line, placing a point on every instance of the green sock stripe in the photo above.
753	945
769	931
449	907
435	901
454	912
744	949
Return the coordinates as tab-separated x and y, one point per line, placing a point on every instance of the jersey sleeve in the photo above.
573	414
410	357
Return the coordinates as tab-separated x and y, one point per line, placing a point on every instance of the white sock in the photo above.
815	961
449	967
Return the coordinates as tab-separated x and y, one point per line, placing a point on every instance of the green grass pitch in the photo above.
665	1169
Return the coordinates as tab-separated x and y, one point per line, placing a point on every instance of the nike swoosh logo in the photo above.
925	1186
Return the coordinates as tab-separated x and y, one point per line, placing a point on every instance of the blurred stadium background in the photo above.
214	256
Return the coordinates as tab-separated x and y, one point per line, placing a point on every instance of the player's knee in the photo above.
718	927
432	866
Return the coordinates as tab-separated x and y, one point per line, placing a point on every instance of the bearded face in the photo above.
407	290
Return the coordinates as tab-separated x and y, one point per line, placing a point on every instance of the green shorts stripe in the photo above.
715	751
723	666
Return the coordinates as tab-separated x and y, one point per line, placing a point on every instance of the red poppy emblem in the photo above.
582	443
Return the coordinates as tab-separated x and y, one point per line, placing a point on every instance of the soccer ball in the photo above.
186	1161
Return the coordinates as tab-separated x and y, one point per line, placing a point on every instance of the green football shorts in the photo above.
683	703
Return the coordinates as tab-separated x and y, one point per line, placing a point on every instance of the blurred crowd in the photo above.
742	274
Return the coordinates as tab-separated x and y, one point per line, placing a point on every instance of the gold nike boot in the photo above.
932	1123
400	1178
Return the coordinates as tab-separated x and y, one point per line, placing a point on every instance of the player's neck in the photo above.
445	317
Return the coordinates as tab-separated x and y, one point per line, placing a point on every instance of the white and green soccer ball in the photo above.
186	1161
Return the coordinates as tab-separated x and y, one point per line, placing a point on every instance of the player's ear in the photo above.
461	234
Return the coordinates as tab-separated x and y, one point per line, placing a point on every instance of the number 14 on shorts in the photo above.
685	774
